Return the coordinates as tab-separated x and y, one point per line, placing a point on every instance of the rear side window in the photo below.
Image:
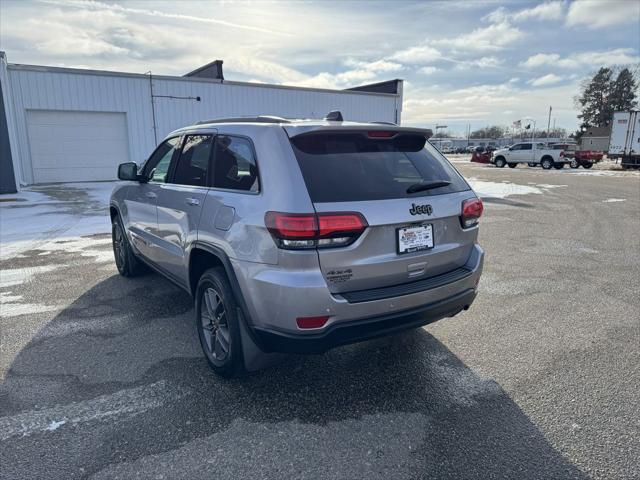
193	164
350	167
235	164
525	146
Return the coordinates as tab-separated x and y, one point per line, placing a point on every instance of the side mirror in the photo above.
128	171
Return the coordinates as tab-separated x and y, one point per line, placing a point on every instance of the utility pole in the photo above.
549	124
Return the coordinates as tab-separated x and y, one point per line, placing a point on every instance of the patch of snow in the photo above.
121	404
54	425
17	309
614	200
41	215
501	189
18	276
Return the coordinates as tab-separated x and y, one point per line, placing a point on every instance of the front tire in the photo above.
558	166
574	163
547	163
126	261
532	164
587	165
500	162
218	324
512	165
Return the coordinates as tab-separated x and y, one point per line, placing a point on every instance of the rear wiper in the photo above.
421	187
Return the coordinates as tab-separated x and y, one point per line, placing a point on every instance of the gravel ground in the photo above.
102	377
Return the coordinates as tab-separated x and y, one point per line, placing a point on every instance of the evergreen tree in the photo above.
595	101
623	92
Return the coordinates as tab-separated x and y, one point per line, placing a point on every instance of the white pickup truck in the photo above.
530	153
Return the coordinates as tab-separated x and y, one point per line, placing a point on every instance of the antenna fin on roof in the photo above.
334	116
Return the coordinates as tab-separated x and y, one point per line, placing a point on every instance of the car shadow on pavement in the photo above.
397	407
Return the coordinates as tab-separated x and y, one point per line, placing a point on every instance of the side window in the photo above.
193	163
157	167
235	164
517	146
525	146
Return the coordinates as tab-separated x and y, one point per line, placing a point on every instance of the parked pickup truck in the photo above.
578	158
530	153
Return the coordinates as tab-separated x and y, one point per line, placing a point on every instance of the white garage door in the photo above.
76	146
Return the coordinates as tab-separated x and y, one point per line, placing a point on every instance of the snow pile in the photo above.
38	217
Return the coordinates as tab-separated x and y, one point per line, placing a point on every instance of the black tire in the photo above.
558	166
574	163
532	164
216	308
126	261
547	163
500	162
587	165
512	165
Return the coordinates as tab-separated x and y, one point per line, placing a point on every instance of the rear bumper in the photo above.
346	332
275	297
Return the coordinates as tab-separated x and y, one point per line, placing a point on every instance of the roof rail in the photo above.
258	119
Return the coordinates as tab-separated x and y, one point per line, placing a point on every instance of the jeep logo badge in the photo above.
420	209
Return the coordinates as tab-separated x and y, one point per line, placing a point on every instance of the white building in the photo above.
68	125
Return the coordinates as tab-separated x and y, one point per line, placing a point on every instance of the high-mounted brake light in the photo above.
296	231
381	134
471	212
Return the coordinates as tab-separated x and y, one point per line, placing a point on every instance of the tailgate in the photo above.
374	260
409	194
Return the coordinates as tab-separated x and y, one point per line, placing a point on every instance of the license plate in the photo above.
413	239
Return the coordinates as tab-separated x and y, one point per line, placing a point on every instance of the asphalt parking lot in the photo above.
102	376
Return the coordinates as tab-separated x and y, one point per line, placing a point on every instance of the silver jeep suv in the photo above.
300	235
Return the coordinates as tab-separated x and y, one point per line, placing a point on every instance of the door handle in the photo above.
192	201
150	195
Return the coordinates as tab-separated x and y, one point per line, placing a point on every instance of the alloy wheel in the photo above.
215	326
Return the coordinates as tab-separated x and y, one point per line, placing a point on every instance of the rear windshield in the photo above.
351	167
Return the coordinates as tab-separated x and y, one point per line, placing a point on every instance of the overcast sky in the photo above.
477	62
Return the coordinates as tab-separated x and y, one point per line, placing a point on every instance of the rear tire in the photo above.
587	165
512	165
500	162
218	324
558	166
126	261
547	163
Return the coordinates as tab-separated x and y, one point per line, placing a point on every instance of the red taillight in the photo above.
311	230
311	322
471	212
292	225
381	134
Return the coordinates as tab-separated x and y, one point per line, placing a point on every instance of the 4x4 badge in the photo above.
420	209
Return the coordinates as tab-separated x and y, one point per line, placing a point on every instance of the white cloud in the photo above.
617	56
428	70
482	62
417	55
553	10
492	38
595	14
549	79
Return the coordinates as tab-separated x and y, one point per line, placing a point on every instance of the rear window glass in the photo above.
350	167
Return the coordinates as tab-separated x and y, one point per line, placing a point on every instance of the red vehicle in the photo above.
577	158
480	155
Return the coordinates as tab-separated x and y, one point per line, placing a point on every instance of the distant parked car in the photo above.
461	150
471	148
578	158
530	153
